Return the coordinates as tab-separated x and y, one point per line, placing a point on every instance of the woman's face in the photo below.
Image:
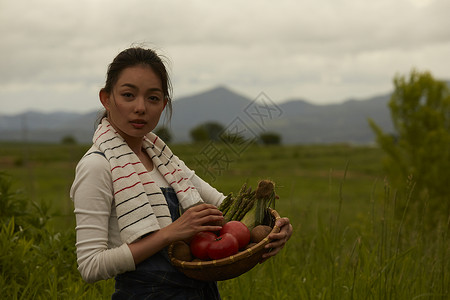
136	102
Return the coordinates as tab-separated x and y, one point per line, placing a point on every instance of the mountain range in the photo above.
296	121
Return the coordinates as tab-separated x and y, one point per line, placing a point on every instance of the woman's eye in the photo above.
127	95
153	98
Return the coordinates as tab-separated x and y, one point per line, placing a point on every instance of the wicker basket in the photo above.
229	267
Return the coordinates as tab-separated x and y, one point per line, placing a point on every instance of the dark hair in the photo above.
139	56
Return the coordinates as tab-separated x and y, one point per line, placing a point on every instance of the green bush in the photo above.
209	131
418	152
68	140
36	261
270	138
164	133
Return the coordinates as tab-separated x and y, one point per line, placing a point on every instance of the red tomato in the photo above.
200	242
223	246
239	230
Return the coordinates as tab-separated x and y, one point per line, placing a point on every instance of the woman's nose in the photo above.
139	107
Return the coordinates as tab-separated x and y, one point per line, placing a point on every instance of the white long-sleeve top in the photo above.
100	252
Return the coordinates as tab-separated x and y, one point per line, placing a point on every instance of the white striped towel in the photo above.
140	205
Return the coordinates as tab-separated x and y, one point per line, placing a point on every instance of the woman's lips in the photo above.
138	124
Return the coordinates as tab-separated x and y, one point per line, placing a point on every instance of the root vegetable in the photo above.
259	233
181	251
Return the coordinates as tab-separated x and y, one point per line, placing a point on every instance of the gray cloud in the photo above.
54	54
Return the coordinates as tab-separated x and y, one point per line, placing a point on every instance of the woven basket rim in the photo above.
227	260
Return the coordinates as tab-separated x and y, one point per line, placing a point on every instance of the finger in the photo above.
209	207
282	235
285	232
277	240
211	228
288	229
209	214
212	220
202	206
271	253
281	222
275	244
202	210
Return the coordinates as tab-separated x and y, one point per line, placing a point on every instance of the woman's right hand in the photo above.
196	219
192	221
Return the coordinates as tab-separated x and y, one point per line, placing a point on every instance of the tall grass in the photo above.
37	261
374	256
348	242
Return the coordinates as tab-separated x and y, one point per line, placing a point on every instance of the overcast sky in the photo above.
54	53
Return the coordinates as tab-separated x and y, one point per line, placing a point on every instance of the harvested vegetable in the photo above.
182	251
249	206
259	233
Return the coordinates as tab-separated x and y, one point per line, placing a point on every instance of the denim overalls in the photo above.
156	278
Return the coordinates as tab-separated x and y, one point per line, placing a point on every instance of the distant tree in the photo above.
164	133
270	138
208	131
68	140
419	150
199	134
232	138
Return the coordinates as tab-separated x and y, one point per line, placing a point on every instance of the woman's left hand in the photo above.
278	239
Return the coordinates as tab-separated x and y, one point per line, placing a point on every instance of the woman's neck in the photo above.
135	145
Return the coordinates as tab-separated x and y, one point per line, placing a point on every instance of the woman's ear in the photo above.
104	98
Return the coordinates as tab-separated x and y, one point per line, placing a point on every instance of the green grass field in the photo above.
348	242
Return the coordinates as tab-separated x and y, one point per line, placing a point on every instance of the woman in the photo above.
129	188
